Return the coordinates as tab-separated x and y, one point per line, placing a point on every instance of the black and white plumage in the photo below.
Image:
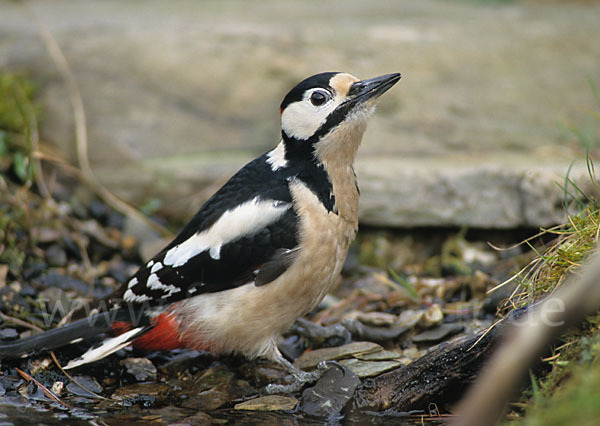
264	249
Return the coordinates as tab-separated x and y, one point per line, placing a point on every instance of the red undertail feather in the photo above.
162	337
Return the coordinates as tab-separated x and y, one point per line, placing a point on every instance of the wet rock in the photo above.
377	319
361	331
216	397
438	333
331	393
379	356
11	383
169	415
268	403
213	388
138	390
212	377
369	368
410	318
88	382
311	359
56	256
260	374
140	368
196	419
8	334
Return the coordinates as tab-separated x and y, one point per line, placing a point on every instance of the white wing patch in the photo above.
156	267
132	282
130	296
244	220
276	157
106	348
154	283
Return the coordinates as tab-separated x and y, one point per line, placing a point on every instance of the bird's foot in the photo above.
301	378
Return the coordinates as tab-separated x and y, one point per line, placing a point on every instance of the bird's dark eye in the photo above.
318	98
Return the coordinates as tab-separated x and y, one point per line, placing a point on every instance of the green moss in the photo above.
569	391
18	113
574	243
576	401
14	90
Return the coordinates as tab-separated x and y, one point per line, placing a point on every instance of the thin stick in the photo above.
20	322
81	140
85	388
44	389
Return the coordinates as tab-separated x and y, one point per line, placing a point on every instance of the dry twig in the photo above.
81	140
85	388
44	389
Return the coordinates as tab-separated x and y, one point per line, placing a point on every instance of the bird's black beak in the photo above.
372	88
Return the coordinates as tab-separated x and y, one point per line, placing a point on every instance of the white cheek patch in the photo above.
244	220
302	119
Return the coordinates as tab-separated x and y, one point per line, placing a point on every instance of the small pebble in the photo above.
377	319
57	388
56	256
8	334
38	365
140	368
432	316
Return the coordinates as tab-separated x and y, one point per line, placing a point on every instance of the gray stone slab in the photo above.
180	94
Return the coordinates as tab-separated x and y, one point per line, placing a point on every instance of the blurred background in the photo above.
180	94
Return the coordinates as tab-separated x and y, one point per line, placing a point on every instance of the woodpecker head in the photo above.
328	112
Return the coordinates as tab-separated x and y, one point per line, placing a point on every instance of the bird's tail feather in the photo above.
75	331
107	347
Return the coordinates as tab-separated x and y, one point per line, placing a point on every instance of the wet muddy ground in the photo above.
402	295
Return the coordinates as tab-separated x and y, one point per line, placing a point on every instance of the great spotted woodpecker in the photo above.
262	251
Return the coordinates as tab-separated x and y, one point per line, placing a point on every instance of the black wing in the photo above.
262	254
